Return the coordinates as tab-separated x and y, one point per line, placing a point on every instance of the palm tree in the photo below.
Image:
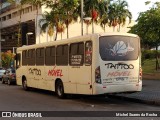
91	8
118	12
123	13
103	13
69	11
112	14
52	19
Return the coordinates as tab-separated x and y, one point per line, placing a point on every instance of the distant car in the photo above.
2	71
9	76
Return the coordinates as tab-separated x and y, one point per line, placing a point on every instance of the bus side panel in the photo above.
31	73
39	73
19	76
84	80
95	63
53	73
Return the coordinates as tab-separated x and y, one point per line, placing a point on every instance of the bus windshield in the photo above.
118	48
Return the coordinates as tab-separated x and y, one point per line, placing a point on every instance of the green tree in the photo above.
7	58
52	19
118	13
91	8
69	12
148	29
103	13
123	13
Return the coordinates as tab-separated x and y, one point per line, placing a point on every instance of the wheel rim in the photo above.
9	82
24	84
60	90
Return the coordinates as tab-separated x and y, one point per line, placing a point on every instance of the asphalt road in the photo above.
14	98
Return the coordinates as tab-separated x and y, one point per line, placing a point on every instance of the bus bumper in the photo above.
117	88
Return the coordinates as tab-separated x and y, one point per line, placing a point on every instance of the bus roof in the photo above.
74	39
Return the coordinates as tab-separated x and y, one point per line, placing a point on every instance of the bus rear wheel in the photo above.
60	89
24	84
9	82
3	81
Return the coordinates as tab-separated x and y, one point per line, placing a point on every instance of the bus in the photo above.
94	64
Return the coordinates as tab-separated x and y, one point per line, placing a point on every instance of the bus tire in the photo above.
9	82
3	81
60	89
24	84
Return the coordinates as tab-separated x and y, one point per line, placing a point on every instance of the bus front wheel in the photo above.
60	89
24	84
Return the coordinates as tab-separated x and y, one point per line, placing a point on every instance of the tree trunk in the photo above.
56	34
113	28
67	30
157	62
92	21
67	26
119	28
61	35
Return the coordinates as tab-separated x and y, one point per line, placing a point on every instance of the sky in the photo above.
137	6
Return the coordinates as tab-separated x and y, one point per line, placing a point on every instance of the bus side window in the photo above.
76	54
40	56
50	56
62	55
31	57
24	57
18	60
88	53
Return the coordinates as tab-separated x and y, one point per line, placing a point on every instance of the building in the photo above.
14	17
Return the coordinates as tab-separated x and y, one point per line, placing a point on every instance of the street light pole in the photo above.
0	35
82	17
87	21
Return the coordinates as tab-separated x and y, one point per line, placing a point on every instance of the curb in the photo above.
151	102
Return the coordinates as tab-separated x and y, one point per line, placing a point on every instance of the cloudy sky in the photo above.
136	6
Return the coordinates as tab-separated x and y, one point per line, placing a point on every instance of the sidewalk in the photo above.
150	93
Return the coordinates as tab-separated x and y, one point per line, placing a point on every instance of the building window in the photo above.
34	7
26	10
4	18
14	14
8	16
30	9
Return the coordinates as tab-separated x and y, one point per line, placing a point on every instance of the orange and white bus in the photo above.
92	65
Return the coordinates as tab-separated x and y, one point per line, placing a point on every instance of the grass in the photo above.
149	70
149	66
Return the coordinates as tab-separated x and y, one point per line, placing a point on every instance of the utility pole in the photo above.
82	17
0	34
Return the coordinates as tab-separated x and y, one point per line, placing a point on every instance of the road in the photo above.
14	98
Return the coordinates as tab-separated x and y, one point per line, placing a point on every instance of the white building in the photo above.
10	17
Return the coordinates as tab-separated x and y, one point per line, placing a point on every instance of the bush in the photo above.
149	54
